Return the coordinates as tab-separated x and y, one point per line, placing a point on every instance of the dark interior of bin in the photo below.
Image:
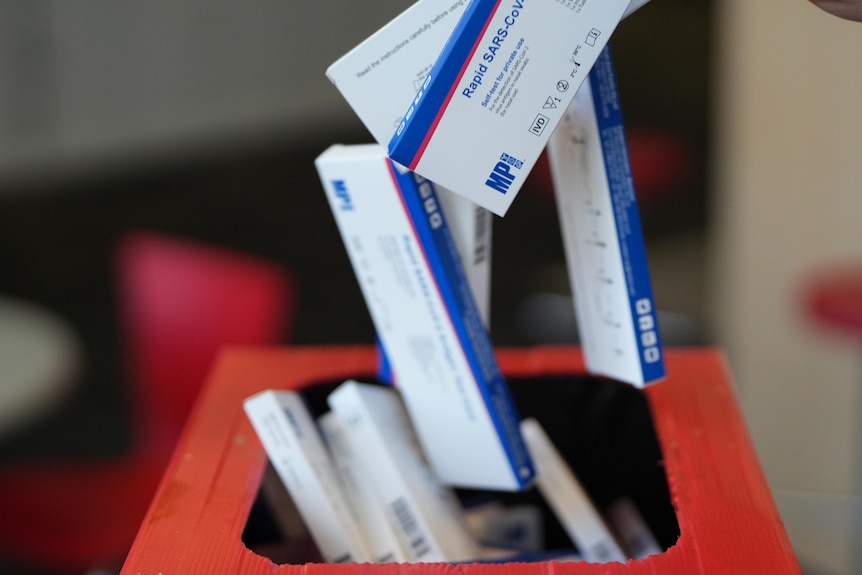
603	429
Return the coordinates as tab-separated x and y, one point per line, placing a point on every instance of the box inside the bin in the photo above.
604	430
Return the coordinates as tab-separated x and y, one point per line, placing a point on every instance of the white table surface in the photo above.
40	360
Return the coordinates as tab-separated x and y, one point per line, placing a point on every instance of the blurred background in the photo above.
199	122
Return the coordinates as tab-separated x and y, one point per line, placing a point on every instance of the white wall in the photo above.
88	81
788	199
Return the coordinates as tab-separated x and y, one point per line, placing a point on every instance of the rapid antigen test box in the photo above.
426	515
604	246
498	89
361	492
426	318
379	77
569	501
294	446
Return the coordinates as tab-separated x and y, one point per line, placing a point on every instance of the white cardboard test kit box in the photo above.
360	491
426	318
604	245
297	452
569	501
498	89
379	77
426	515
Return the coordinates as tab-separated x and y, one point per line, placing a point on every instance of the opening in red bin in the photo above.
603	429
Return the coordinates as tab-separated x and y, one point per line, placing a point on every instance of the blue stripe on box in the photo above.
629	232
384	368
438	248
431	101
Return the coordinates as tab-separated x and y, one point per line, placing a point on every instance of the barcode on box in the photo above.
406	521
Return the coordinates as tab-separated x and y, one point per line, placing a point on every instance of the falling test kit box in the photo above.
426	318
604	246
498	89
379	77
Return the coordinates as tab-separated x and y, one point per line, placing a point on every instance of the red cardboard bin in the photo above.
728	522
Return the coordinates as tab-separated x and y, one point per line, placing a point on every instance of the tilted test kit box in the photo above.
595	195
500	86
379	77
605	251
426	318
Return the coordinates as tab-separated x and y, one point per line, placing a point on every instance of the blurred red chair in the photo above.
833	299
179	302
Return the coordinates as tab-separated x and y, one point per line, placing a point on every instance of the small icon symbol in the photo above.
575	70
550	103
539	125
592	36
562	85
